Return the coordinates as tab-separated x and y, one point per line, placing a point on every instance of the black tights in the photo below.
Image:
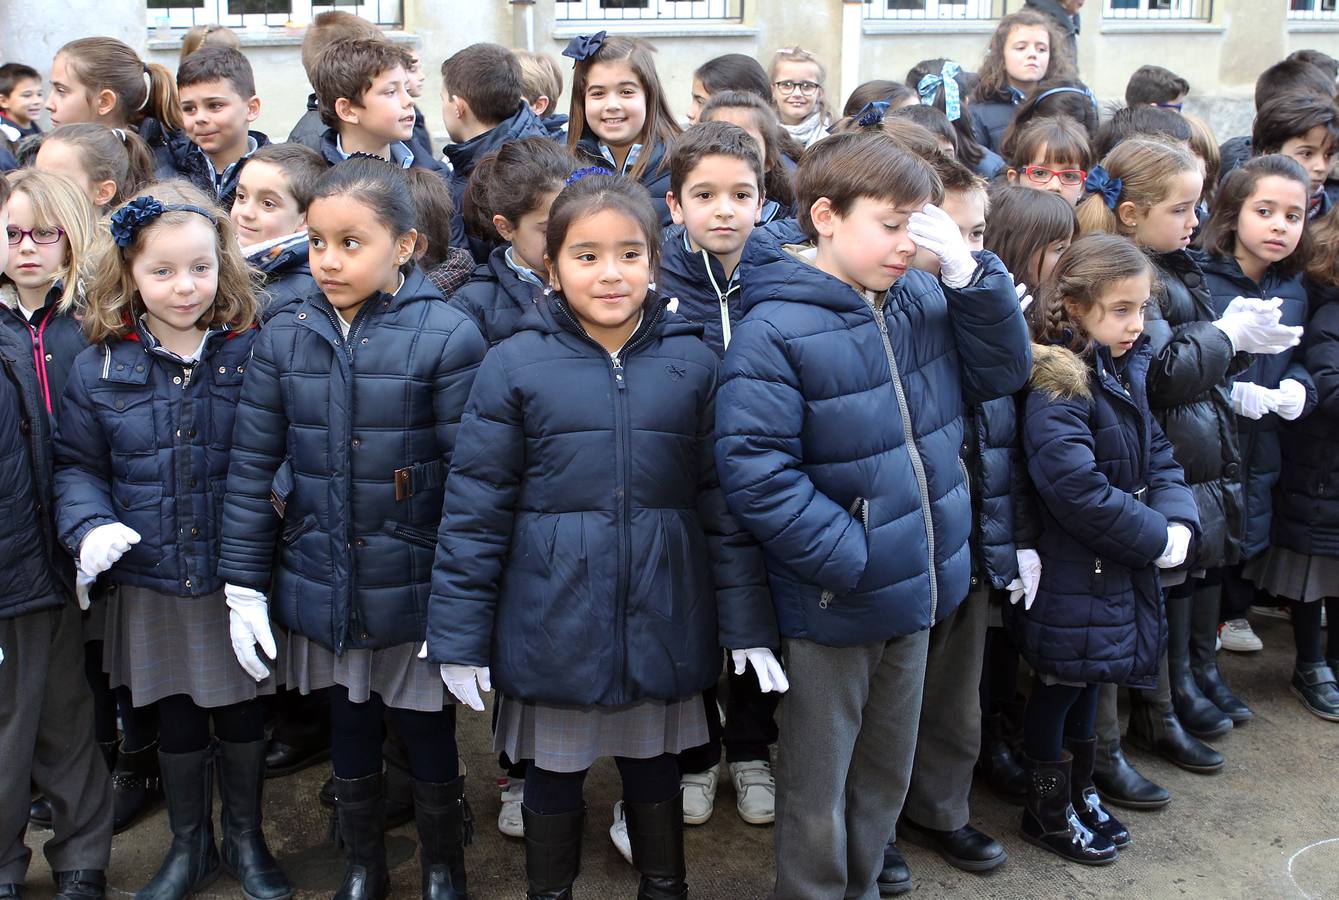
653	780
183	727
357	731
1055	712
1307	630
999	671
139	724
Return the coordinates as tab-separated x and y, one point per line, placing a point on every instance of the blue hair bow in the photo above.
584	46
871	114
127	221
589	170
928	89
1099	181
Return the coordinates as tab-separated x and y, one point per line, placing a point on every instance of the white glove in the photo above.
103	546
1252	401
771	677
935	230
1024	298
1253	326
82	583
1178	544
249	625
464	682
1289	398
1024	587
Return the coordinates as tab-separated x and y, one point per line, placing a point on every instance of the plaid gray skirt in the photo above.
159	645
95	622
572	738
395	674
1294	576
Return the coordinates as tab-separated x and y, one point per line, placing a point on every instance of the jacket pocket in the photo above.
859	510
410	534
295	530
127	419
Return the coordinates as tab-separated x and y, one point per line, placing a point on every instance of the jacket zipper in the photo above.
723	299
859	508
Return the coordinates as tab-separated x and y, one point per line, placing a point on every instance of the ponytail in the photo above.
143	90
1141	171
161	101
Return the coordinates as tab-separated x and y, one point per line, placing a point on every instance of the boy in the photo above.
20	101
421	142
838	422
217	94
46	728
1304	126
1156	86
542	85
715	199
1291	74
325	29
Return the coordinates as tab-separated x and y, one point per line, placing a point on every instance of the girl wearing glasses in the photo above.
797	86
1050	155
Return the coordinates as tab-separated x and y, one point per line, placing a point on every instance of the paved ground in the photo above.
1266	827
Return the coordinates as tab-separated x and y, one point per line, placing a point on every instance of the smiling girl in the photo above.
797	90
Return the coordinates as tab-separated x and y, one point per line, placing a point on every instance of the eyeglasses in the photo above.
1175	106
45	234
1040	175
806	88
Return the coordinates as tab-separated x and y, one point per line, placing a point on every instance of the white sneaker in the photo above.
699	796
1238	637
618	833
755	791
509	819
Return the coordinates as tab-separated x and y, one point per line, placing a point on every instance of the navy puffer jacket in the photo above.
698	282
367	426
838	428
143	439
183	159
991	453
655	177
586	552
496	298
286	276
1258	439
55	340
1091	446
991	117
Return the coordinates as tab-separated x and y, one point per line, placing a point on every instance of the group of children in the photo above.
881	404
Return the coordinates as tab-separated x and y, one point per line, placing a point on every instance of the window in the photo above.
1313	10
600	11
931	10
1181	10
251	14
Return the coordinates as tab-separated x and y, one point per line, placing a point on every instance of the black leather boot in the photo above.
997	766
1160	732
245	854
1197	713
963	848
192	861
1049	820
1120	783
11	891
1083	795
39	814
895	876
360	807
1314	685
136	786
655	831
441	814
552	853
81	884
1204	658
109	752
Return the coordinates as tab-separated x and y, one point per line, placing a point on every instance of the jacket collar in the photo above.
769	270
520	124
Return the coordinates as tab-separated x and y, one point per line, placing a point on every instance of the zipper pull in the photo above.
618	374
1097	566
186	376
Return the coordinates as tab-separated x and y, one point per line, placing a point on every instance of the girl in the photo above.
1025	48
620	116
797	90
211	35
880	90
731	72
447	267
141	456
941	83
933	121
1114	509
1056	98
358	390
596	655
1050	155
758	118
110	164
508	200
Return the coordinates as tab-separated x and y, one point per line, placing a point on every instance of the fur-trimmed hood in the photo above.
1060	373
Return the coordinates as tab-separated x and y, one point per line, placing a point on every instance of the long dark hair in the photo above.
377	185
1022	223
734	72
1220	232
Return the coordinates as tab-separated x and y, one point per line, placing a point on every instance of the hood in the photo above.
1060	373
771	270
495	269
522	123
153	132
556	126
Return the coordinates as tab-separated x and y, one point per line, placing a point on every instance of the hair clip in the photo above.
928	89
1100	181
871	114
127	221
589	170
584	46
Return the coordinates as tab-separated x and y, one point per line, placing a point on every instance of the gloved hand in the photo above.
1252	401
103	546
1289	398
249	625
771	677
935	230
1178	544
461	681
1024	298
82	583
1253	326
1024	587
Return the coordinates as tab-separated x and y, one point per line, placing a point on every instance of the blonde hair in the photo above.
800	55
1145	169
113	299
211	35
540	77
60	202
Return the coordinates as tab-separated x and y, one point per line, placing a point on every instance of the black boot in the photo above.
39	814
552	853
964	848
1120	783
1314	685
136	787
1161	733
1197	713
109	752
245	855
81	884
895	876
441	814
997	766
655	831
360	806
1083	795
1204	658
192	861
1049	820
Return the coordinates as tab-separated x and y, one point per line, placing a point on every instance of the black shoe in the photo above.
1161	733
82	884
552	853
360	805
1204	656
136	787
11	892
997	766
444	827
1314	685
39	814
1083	796
964	848
285	759
895	876
192	861
1049	820
245	855
110	750
1120	783
1197	713
655	831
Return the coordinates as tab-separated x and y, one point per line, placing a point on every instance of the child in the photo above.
421	142
797	90
940	83
620	116
756	116
47	736
1114	510
933	121
541	87
604	657
1141	121
507	204
198	37
1306	127
483	109
110	164
880	90
1051	155
731	72
141	456
966	201
270	214
218	100
835	455
1156	86
346	569
326	29
1054	98
447	267
1025	48
20	101
1286	75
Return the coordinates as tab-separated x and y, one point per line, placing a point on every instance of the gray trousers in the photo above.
949	740
47	743
848	737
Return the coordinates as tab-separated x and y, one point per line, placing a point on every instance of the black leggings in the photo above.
139	724
1055	712
999	671
653	780
183	727
358	729
1307	630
